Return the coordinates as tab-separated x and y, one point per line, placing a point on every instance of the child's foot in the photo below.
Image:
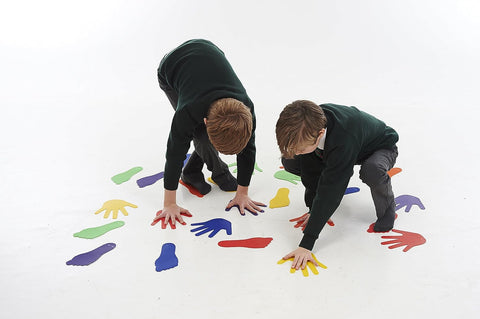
226	182
197	183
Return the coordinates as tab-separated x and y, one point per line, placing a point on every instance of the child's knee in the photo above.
372	174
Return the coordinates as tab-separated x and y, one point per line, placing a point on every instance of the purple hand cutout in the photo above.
213	225
407	201
87	258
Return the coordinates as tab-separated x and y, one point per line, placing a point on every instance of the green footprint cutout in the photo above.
95	232
256	167
286	176
125	176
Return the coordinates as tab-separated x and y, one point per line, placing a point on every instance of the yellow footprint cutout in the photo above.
281	199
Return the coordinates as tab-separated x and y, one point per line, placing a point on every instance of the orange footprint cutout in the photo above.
394	171
281	199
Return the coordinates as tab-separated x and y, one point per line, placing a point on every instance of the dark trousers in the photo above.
373	172
204	151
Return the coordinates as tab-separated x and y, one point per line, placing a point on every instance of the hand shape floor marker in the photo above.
213	225
94	232
281	198
170	222
310	265
407	239
125	176
407	201
90	257
114	206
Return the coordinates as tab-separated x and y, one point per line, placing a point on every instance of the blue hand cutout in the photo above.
167	258
351	190
213	225
407	201
253	213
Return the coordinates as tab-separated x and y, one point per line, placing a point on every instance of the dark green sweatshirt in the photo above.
352	136
200	74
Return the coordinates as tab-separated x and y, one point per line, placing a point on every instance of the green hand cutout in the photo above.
94	232
286	176
125	176
256	167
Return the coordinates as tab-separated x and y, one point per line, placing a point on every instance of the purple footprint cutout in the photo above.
152	179
167	258
87	258
149	180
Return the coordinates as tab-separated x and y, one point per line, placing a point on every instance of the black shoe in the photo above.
226	182
384	224
197	182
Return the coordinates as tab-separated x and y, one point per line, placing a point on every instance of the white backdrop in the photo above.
80	103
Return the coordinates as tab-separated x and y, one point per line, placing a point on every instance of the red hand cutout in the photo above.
164	225
407	239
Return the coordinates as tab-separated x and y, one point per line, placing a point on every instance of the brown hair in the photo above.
300	122
229	125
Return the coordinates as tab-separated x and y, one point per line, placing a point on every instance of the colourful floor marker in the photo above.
164	225
95	232
407	201
167	259
90	257
394	171
256	242
149	180
114	206
125	176
186	159
370	228
407	239
310	265
191	189
254	213
256	168
281	199
214	225
351	190
211	181
286	176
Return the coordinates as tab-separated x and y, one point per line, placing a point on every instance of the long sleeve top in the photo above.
200	74
352	136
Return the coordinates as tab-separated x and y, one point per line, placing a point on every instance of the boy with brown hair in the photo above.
322	144
212	108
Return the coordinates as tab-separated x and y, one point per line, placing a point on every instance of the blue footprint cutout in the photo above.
87	258
167	259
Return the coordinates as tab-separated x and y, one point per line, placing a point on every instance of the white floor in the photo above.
80	103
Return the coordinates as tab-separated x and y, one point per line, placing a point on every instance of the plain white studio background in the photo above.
80	103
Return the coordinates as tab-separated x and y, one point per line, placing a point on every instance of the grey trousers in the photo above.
204	151
373	172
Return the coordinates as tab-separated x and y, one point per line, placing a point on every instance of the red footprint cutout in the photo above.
191	189
256	242
370	229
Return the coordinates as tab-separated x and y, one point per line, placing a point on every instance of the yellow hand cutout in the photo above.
114	206
310	265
